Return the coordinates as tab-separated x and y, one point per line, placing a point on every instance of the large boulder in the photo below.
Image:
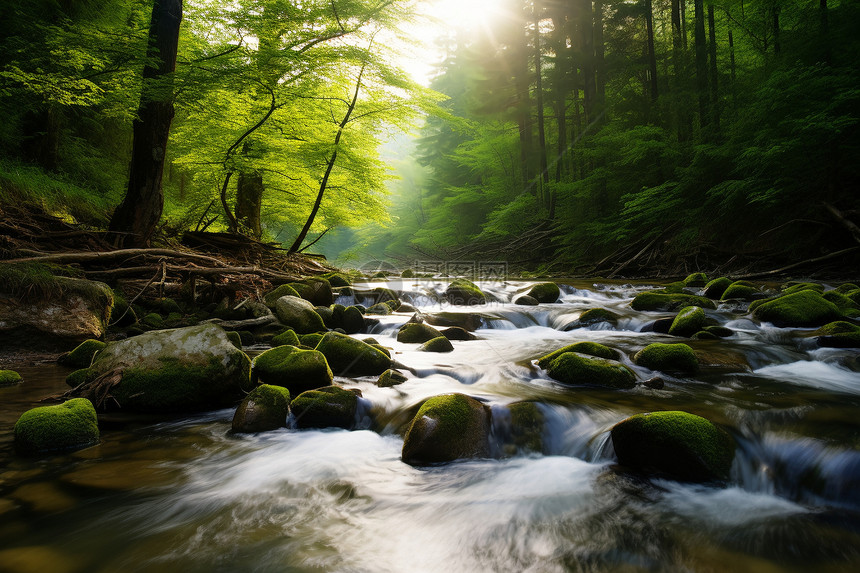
315	290
183	369
669	301
671	358
803	308
329	407
839	334
298	314
346	355
583	370
584	347
265	408
447	428
41	311
688	322
675	444
464	292
417	333
545	292
295	369
68	426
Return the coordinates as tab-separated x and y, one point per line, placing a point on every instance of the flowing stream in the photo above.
184	495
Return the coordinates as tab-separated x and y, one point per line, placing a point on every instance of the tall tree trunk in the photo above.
701	65
599	61
138	214
249	203
732	60
544	168
589	89
777	47
712	60
681	79
41	145
684	23
329	167
560	91
652	57
825	31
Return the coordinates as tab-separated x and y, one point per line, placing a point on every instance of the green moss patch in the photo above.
581	370
717	287
584	347
669	301
804	308
676	444
671	358
329	407
799	287
68	426
839	334
464	292
740	290
347	355
447	428
284	290
696	280
292	368
9	378
545	292
688	322
390	378
287	337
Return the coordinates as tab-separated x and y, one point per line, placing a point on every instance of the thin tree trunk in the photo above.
544	168
777	47
825	31
329	167
652	57
589	88
249	203
599	63
140	210
712	58
679	61
732	55
701	65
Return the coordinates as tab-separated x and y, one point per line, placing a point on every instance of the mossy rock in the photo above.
413	333
380	309
447	428
153	320
742	290
799	287
391	378
347	355
71	425
327	314
457	333
122	315
704	335
527	427
840	300
669	301
265	408
284	290
382	349
298	314
804	308
545	292
467	320
336	279
438	344
384	294
719	331
329	407
676	444
183	369
79	377
696	280
9	378
407	274
293	368
584	347
854	295
717	287
287	337
165	306
688	322
464	292
671	358
839	334
234	339
353	320
596	316
83	354
526	300
311	340
337	311
315	290
582	370
845	288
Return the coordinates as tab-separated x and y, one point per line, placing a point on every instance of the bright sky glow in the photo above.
445	19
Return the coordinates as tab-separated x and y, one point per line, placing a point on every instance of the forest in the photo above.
560	136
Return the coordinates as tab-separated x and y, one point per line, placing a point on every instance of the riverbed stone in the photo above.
670	358
82	355
719	331
391	378
287	337
526	300
40	311
696	280
283	290
464	292
689	321
743	290
264	409
353	320
328	407
9	378
182	369
585	347
715	288
298	314
582	370
379	308
415	333
315	290
467	320
349	356
791	288
676	444
457	333
293	368
839	334
842	302
669	301
596	316
447	428
438	344
545	292
527	428
71	425
803	308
